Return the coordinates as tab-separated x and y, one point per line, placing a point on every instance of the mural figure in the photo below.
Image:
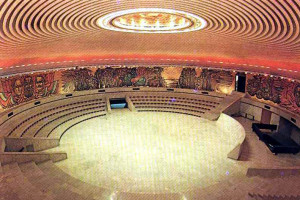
290	97
204	81
137	77
148	77
210	80
266	88
280	91
128	77
18	91
25	88
78	80
187	78
155	78
28	87
120	77
104	78
39	85
45	85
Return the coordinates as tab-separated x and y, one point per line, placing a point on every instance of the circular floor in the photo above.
150	152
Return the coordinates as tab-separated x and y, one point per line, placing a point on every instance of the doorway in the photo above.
240	82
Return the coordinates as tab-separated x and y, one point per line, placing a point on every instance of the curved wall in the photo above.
274	91
18	89
252	109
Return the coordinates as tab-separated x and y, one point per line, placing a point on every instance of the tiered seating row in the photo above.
175	99
183	105
71	118
169	108
158	104
30	115
63	126
50	118
46	118
42	116
169	111
50	125
44	122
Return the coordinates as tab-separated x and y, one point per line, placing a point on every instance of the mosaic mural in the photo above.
187	78
141	76
86	79
211	80
23	88
280	91
78	79
19	89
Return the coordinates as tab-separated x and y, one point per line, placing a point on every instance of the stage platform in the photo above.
151	152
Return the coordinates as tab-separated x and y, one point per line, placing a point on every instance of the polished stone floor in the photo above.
151	152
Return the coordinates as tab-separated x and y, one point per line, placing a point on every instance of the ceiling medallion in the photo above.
151	20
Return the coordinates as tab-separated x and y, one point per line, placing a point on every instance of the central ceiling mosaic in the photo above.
152	20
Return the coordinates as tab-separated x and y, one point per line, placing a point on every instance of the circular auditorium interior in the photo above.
149	99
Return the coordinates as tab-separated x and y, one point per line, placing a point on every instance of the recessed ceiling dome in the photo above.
151	20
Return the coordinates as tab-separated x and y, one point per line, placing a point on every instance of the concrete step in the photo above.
84	189
286	188
19	185
220	190
274	172
141	196
234	188
48	185
228	189
6	192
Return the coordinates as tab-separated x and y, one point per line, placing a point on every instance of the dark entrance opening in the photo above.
118	103
240	82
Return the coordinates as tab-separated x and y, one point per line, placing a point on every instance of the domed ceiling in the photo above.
247	35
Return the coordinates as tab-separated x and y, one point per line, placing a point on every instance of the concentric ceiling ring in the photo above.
269	22
269	27
151	20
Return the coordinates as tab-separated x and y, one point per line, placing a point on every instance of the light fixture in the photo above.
151	20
